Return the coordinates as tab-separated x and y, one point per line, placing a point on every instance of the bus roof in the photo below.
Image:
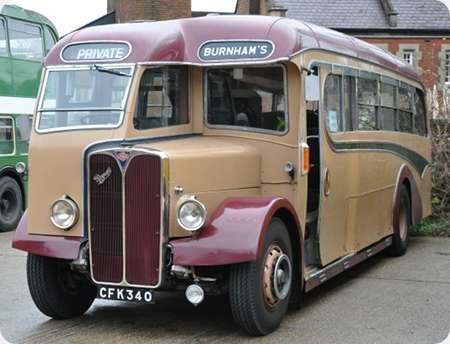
21	13
179	41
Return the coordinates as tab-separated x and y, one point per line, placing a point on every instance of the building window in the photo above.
408	56
447	67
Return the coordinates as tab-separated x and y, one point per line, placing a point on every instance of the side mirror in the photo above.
312	88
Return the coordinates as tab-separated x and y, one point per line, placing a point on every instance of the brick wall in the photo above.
149	9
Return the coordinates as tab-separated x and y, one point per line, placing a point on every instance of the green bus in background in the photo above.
25	39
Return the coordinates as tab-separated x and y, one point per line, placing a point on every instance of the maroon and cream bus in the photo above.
256	157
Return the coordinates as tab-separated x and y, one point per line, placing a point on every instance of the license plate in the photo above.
139	295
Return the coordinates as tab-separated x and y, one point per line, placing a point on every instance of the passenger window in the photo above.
387	108
420	114
367	100
23	130
163	98
25	40
332	100
3	48
348	103
6	136
405	115
247	97
49	39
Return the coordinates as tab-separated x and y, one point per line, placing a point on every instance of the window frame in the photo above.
125	101
5	27
242	128
189	94
52	34
412	53
41	31
447	67
13	129
356	73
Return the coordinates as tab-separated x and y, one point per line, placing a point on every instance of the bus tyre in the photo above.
57	291
259	291
11	204
401	234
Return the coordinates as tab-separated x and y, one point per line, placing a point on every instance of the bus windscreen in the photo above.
83	98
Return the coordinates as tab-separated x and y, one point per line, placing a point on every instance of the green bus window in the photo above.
420	114
49	39
163	98
3	50
332	100
254	98
23	130
6	136
367	101
405	114
25	40
387	108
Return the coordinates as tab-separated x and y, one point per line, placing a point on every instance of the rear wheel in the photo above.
401	235
56	290
260	291
11	204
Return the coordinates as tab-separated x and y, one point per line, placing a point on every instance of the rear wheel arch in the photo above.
406	178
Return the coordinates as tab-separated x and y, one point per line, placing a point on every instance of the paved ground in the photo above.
385	300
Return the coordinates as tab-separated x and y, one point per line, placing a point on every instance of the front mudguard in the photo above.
235	233
62	247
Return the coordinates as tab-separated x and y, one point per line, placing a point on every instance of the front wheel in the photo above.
11	204
259	291
56	290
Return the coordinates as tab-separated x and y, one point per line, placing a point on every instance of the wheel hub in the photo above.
277	277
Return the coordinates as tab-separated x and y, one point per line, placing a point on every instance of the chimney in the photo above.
390	12
127	11
276	10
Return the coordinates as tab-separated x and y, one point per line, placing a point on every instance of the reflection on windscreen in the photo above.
77	98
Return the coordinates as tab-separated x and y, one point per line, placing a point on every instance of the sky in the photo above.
70	15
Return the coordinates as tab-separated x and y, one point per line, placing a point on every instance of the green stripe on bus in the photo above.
417	160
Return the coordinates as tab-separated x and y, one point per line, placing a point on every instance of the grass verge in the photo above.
437	226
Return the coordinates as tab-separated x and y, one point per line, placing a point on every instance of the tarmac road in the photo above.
384	300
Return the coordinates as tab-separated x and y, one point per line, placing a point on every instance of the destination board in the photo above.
93	51
235	50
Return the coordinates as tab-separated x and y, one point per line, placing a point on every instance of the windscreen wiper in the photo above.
110	71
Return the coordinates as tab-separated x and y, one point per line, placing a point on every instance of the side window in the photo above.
6	136
349	88
388	107
25	40
420	114
251	97
3	47
367	101
405	113
49	39
23	130
163	98
332	102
